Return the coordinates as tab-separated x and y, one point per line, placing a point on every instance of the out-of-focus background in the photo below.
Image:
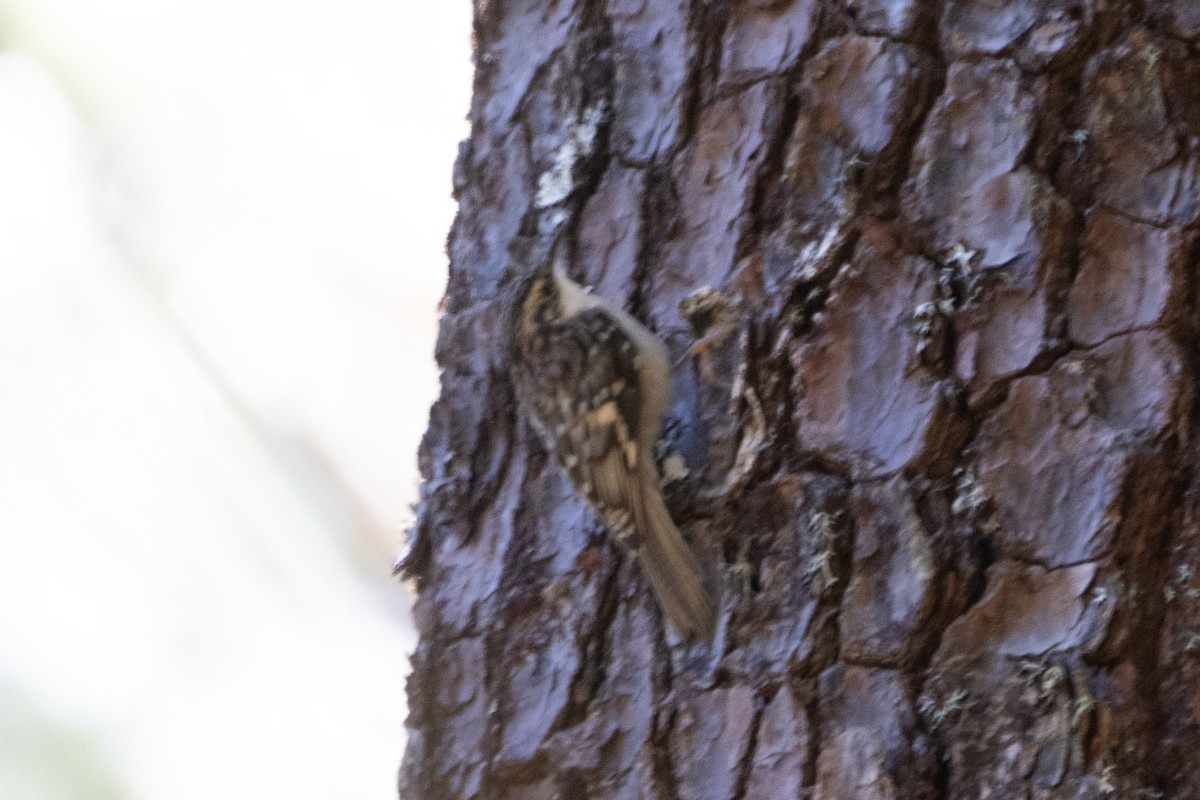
221	251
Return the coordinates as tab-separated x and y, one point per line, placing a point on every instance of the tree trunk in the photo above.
928	273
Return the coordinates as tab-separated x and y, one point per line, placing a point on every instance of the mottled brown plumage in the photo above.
595	385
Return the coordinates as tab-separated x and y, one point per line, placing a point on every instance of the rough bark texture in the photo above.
939	453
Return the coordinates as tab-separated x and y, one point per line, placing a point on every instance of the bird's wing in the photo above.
595	426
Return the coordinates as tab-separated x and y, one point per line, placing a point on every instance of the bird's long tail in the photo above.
669	564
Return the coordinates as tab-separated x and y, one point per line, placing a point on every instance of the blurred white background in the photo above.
221	251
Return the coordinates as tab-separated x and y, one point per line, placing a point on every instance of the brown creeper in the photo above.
595	385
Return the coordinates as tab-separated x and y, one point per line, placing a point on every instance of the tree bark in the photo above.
929	274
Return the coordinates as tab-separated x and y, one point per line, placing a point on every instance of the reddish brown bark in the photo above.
940	445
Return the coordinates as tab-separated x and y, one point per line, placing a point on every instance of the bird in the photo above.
595	384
